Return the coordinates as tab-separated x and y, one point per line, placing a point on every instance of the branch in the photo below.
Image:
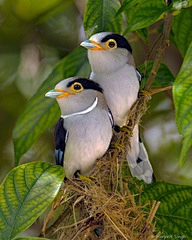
158	90
160	51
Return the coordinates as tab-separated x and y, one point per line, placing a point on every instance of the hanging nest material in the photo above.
102	206
105	206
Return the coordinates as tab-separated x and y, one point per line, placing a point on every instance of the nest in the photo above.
102	206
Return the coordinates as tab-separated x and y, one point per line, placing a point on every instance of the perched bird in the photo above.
84	130
113	67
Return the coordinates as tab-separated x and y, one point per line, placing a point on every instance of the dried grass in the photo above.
107	199
105	202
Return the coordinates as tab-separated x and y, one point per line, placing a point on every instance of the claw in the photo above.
116	145
126	129
85	178
144	93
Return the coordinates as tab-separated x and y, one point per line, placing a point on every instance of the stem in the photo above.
160	51
158	90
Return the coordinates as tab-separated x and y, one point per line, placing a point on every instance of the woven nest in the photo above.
102	206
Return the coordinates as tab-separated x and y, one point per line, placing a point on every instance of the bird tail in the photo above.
138	159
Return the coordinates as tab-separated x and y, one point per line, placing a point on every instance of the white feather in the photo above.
120	83
141	169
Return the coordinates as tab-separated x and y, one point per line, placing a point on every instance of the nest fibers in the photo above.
102	206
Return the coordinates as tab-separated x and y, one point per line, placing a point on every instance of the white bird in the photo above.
113	67
84	130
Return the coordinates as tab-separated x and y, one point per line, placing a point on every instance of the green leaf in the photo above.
181	25
127	5
182	94
25	193
144	14
41	113
186	144
8	68
100	16
173	218
163	78
143	34
28	10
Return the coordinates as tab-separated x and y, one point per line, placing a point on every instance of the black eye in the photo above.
77	87
111	44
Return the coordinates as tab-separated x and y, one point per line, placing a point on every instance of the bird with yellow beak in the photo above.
84	130
113	67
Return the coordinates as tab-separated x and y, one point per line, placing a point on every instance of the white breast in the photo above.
89	138
120	89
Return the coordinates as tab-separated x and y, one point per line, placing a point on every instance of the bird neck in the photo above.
87	110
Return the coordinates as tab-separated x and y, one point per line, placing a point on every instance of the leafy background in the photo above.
39	46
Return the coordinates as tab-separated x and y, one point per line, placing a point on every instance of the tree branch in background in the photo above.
160	51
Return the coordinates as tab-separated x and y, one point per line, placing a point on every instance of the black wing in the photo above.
111	117
139	76
60	141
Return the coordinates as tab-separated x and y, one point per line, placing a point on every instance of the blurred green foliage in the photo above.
39	45
33	37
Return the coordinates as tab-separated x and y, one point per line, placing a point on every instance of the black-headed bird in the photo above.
113	67
84	130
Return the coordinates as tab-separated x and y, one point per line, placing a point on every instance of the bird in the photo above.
84	130
113	67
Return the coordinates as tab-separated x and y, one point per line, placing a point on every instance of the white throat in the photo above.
87	110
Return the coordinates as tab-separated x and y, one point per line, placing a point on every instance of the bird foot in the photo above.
85	178
144	93
116	145
126	129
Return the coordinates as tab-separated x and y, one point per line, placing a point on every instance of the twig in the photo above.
91	222
149	220
153	47
50	215
153	211
82	229
158	90
51	229
161	50
122	234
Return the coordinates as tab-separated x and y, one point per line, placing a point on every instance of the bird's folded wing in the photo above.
60	141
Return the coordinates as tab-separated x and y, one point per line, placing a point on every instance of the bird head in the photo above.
108	52
76	94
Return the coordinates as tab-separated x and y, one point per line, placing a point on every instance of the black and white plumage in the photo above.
84	130
113	67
